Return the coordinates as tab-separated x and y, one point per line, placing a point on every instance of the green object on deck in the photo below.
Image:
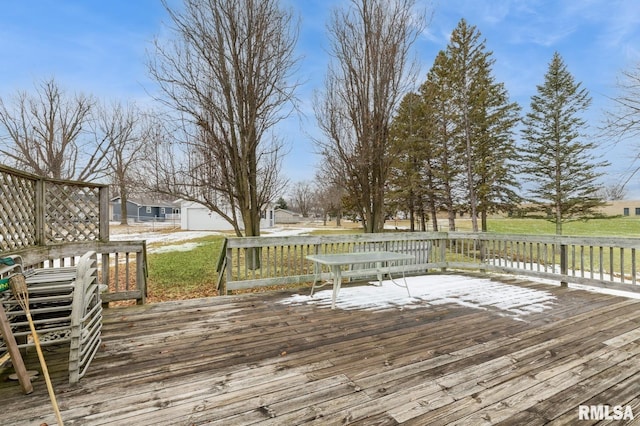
4	284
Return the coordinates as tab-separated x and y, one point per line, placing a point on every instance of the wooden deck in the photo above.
247	359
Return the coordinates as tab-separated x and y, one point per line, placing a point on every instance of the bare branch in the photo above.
228	74
370	45
46	133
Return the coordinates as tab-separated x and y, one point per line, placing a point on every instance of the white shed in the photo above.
287	216
196	217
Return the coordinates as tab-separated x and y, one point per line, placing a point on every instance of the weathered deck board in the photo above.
251	360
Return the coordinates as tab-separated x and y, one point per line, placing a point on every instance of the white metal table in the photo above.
335	262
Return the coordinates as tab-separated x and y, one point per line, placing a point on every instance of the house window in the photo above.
148	209
637	211
162	210
626	211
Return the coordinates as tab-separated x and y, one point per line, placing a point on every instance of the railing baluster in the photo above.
126	271
633	266
601	249
573	260
611	269
117	273
622	265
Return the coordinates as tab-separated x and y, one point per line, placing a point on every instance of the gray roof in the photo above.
149	202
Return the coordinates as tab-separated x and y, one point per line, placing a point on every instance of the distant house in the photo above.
141	210
287	216
622	208
197	217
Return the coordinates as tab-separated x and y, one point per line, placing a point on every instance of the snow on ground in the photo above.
162	238
480	293
286	232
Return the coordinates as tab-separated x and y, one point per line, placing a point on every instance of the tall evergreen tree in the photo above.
495	165
444	163
485	121
407	152
558	161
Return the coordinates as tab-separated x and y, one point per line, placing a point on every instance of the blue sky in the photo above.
99	47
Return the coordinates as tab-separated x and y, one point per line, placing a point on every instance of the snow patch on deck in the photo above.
479	293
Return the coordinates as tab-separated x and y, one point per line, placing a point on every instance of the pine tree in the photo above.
485	124
444	166
495	152
407	151
559	163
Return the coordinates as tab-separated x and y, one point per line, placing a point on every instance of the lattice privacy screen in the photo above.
72	213
36	211
17	212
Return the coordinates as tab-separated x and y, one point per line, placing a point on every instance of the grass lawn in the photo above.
615	226
184	274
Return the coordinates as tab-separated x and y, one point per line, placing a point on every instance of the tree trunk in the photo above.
433	210
252	229
473	199
123	205
412	215
452	220
558	221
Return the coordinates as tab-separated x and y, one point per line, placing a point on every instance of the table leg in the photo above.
404	278
337	281
379	271
316	267
406	285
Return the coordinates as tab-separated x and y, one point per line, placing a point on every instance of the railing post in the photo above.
141	273
443	251
39	210
104	213
564	263
229	263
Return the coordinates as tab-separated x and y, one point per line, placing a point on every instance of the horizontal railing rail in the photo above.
596	261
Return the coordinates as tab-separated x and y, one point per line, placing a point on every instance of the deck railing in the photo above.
602	262
52	223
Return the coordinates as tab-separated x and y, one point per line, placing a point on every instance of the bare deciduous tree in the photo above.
622	121
228	74
302	197
329	200
612	192
370	44
46	133
121	126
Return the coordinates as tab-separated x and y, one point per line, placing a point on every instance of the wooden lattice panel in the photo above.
17	212
72	213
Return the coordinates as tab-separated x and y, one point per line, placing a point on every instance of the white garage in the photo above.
196	217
